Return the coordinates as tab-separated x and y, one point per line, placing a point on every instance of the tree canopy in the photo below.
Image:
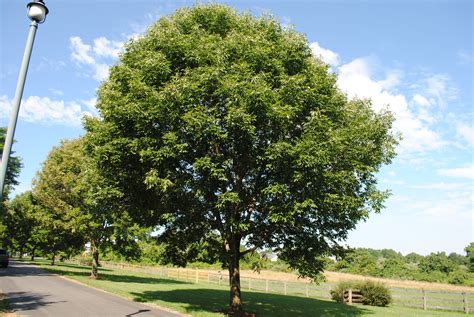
223	129
69	187
11	179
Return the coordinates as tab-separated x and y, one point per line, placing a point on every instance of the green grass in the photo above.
207	299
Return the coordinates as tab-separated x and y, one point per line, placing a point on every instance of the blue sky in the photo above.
414	57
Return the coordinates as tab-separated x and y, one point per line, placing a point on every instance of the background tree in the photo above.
13	168
225	124
436	262
470	254
70	184
55	188
21	222
413	257
13	171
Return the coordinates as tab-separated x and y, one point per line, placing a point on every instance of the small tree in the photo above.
225	130
69	186
13	168
11	179
21	222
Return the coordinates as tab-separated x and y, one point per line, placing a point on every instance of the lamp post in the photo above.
37	12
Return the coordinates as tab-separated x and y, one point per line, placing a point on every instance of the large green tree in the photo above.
225	130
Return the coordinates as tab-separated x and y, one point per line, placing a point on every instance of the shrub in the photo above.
85	260
458	277
374	294
337	292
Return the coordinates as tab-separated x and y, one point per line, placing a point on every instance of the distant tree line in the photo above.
435	267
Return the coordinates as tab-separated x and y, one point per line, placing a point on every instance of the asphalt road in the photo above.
32	291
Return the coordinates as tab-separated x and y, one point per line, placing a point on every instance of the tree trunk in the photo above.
33	254
53	258
21	253
95	262
235	303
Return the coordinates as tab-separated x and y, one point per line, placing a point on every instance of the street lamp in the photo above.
37	12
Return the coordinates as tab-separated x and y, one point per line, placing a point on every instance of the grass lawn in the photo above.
206	299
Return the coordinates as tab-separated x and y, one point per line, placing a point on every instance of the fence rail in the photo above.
415	298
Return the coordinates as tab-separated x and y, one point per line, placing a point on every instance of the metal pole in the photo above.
16	105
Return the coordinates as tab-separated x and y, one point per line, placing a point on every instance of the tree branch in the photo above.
248	251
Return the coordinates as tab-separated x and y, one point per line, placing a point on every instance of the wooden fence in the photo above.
352	296
416	298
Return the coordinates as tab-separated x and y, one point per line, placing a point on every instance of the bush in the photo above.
337	292
458	277
85	260
374	294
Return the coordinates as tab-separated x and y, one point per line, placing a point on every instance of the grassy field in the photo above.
207	299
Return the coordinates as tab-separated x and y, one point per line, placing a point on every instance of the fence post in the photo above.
266	286
208	277
285	288
187	275
197	275
466	306
350	296
424	299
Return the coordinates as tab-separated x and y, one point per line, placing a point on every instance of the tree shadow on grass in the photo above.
120	278
84	267
138	279
209	300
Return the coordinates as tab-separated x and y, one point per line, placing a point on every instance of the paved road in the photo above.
32	291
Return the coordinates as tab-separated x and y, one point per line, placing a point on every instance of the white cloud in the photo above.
5	106
459	172
420	100
466	131
96	57
91	106
106	48
101	72
356	79
442	186
80	51
48	111
326	55
35	109
439	87
454	208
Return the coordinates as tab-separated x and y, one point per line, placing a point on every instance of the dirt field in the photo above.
334	277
